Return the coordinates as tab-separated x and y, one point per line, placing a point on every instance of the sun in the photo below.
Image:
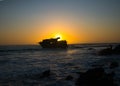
58	35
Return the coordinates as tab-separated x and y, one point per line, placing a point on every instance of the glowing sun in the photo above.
58	35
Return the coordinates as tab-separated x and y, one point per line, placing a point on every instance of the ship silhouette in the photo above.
53	43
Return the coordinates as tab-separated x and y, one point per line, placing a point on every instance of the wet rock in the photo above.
116	50
114	65
39	75
106	51
90	48
45	74
95	77
69	77
110	50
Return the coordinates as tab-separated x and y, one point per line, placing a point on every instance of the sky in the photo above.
77	21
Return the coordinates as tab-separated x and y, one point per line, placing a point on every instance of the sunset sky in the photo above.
77	21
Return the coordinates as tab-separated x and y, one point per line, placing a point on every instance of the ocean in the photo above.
19	61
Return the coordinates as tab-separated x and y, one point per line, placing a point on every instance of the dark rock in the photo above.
39	75
90	48
117	49
114	65
45	74
95	77
107	51
69	77
110	50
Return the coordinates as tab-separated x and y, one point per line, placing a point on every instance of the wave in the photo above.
25	48
19	48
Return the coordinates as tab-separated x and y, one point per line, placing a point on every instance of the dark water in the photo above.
19	61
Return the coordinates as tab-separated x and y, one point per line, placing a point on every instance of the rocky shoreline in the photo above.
102	73
96	76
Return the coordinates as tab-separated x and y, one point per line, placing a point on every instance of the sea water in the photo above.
21	60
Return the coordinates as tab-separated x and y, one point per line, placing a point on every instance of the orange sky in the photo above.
28	22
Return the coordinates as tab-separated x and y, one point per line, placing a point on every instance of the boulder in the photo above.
45	74
106	51
69	77
39	76
110	50
116	50
95	77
